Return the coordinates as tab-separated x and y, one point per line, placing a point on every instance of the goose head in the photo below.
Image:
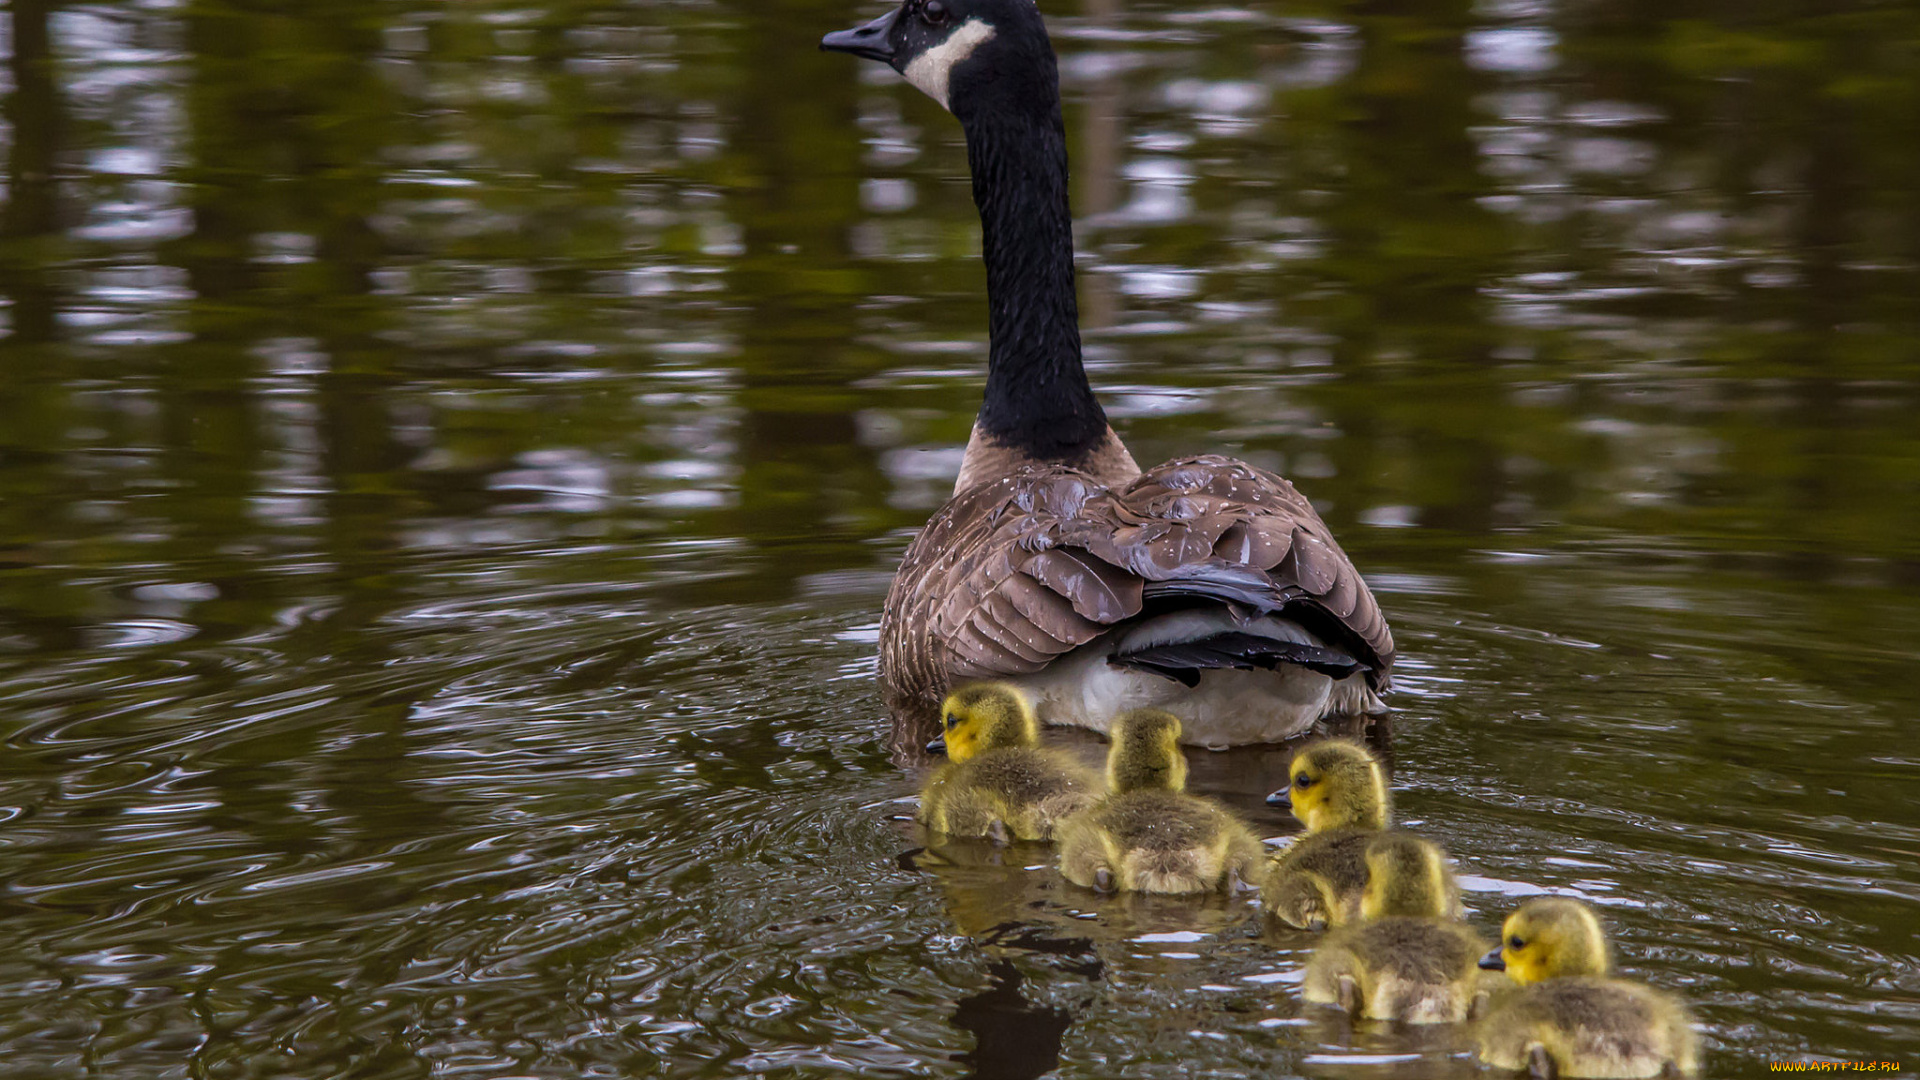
1145	755
984	716
1549	937
1335	784
968	55
1406	876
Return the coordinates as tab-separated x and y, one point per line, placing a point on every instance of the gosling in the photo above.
997	781
1408	960
1148	834
1337	790
1569	1019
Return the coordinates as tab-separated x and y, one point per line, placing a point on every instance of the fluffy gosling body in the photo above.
1148	834
1337	790
1408	960
997	781
1569	1019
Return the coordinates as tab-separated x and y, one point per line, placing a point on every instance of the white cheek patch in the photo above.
929	71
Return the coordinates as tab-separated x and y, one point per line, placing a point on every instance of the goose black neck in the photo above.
1037	398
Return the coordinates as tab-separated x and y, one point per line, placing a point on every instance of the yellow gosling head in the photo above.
1406	876
1549	937
1333	785
985	716
1145	754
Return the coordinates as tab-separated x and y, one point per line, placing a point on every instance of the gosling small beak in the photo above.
937	746
872	41
1279	801
1492	961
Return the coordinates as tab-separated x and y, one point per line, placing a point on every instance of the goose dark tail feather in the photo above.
1184	661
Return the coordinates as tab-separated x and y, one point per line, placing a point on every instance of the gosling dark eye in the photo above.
1515	943
1303	781
934	12
953	721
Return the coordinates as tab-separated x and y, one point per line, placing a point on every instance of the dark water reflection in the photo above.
451	457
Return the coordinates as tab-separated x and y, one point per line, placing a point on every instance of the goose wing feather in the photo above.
1014	572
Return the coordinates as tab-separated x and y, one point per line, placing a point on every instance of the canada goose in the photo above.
1337	790
997	782
1569	1019
1204	586
1148	834
1408	960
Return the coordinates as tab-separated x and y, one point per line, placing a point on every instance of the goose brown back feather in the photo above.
1018	570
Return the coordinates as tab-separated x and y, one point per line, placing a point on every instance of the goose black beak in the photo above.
937	746
1279	801
872	41
1492	961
